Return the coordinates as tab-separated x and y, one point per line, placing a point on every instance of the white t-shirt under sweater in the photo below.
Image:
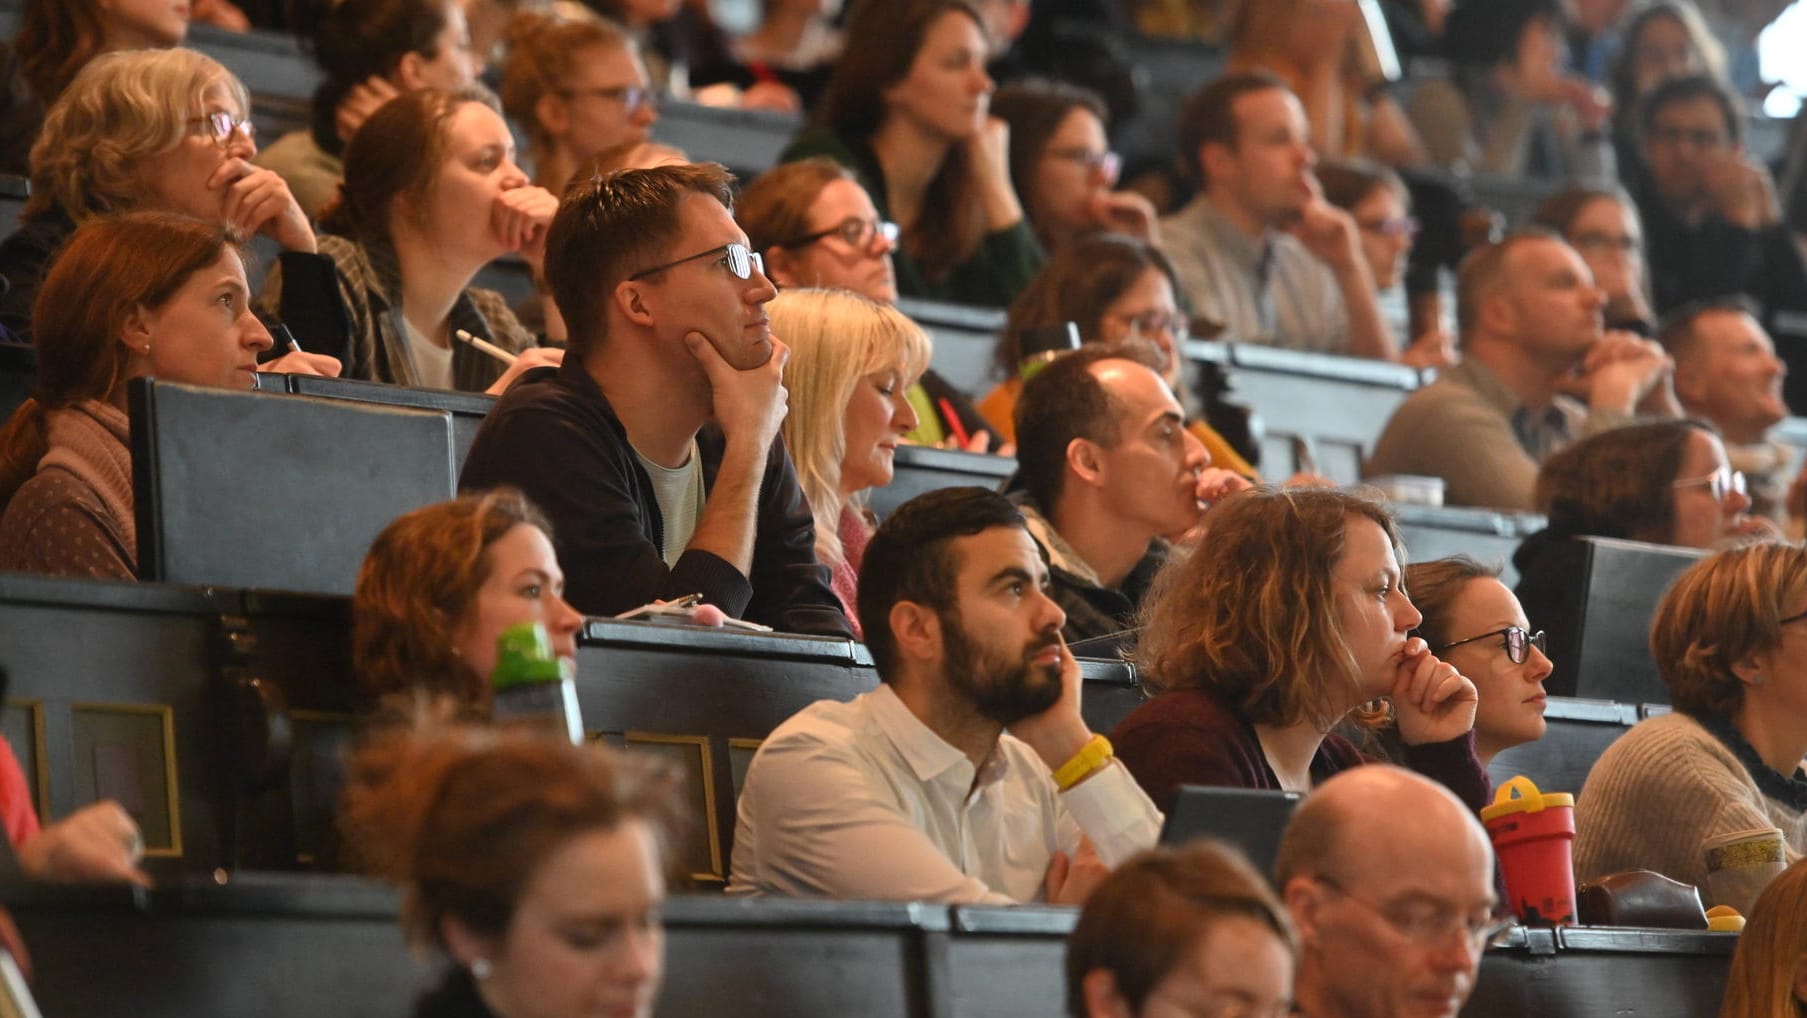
1662	791
433	362
679	492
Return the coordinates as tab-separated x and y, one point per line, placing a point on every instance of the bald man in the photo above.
1389	879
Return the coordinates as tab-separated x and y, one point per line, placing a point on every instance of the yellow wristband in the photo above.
1094	754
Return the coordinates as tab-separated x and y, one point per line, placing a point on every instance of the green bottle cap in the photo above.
524	657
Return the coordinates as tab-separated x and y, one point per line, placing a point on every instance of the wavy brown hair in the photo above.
886	35
110	267
1252	615
1770	952
1618	483
56	39
1720	611
462	816
543	52
417	581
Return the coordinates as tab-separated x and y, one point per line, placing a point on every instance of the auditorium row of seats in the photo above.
284	947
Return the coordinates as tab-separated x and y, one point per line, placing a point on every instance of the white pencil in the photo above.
486	346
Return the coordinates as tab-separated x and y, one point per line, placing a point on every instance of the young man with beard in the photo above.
914	792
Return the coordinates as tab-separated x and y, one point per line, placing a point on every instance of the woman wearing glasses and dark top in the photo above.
1730	638
1665	482
1474	622
817	227
1062	167
912	119
1293	618
578	88
431	195
166	130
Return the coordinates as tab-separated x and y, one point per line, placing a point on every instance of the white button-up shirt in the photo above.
862	800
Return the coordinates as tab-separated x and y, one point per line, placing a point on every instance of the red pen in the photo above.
952	420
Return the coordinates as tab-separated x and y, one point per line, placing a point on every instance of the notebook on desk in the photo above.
1250	819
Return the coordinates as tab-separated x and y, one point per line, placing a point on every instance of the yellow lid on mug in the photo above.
1520	795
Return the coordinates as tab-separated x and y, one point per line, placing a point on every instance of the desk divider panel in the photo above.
108	697
1576	733
288	946
1434	532
1335	406
964	338
466	409
248	489
1604	643
921	468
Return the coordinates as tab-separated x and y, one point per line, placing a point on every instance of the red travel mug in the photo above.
1533	834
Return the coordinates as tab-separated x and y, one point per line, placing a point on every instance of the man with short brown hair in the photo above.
654	449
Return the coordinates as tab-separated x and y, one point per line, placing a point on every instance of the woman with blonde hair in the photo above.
441	583
1769	968
1291	616
168	130
1165	930
1730	639
139	294
537	866
851	361
578	88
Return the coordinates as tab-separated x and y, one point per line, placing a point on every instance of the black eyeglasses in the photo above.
220	125
735	257
1518	643
856	232
632	97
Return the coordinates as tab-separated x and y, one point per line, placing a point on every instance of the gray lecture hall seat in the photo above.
251	489
18	375
290	946
467	409
745	141
1332	408
921	468
1606	621
964	339
13	192
1578	732
1433	532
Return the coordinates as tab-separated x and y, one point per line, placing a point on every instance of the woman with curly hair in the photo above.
1290	617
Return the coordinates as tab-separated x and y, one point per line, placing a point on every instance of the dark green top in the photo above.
1005	262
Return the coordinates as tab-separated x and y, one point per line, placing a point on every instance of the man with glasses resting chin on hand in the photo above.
1389	880
654	448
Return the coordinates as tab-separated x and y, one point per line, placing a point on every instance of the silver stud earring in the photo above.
481	969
